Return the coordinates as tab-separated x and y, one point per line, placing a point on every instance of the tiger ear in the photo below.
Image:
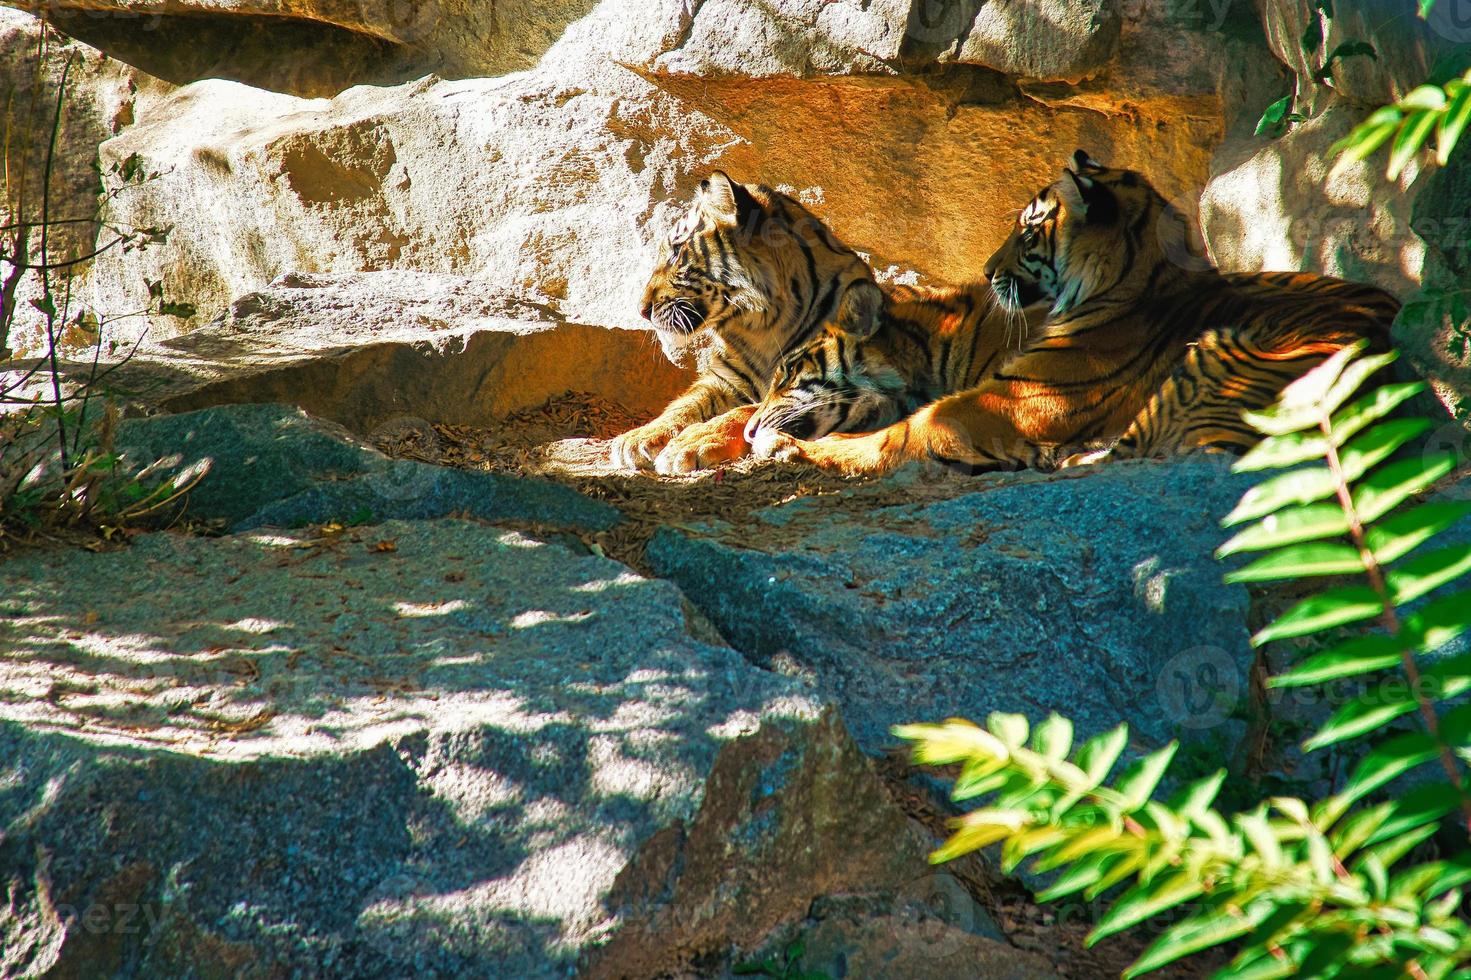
860	309
724	198
1082	162
1073	191
1086	197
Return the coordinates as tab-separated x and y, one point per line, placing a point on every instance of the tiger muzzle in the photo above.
678	315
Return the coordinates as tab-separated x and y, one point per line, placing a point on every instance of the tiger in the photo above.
746	278
932	341
1140	354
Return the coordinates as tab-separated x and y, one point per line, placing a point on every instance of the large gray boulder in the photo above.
275	465
1091	593
551	184
435	748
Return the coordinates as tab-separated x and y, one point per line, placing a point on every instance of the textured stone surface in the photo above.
99	104
1405	47
1274	205
550	185
390	348
384	37
849	943
1046	39
1277	204
1433	334
427	748
275	465
1031	594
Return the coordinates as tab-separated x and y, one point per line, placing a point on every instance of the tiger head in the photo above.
832	385
751	272
1078	237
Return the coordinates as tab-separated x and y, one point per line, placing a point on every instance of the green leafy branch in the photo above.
1444	110
1323	889
1293	883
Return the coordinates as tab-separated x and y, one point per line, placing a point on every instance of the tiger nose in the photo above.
647	311
751	426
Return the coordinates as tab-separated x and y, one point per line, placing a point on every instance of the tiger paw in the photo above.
637	448
1085	459
701	447
769	443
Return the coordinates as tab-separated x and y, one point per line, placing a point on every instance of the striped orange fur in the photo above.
746	278
1141	354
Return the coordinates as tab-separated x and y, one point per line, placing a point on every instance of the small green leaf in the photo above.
1263	840
1451	125
1438	623
1300	486
1301	560
1386	488
1408	141
1053	738
1366	137
1426	573
1389	761
1446	678
1390	851
1366	713
1138	782
1011	729
1336	607
1429	98
1205	930
1358	827
1290	525
1144	901
1199	795
1360	655
1080	875
954	741
1276	452
1353	376
1320	858
1272	117
1366	451
1300	404
1423	805
1399	534
1098	754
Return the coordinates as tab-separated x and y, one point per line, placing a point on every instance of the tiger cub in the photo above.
746	278
931	342
1139	352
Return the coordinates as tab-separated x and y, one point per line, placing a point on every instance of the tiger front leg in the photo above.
706	444
640	448
971	431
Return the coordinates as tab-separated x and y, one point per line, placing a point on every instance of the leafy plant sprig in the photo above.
1407	125
1305	889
